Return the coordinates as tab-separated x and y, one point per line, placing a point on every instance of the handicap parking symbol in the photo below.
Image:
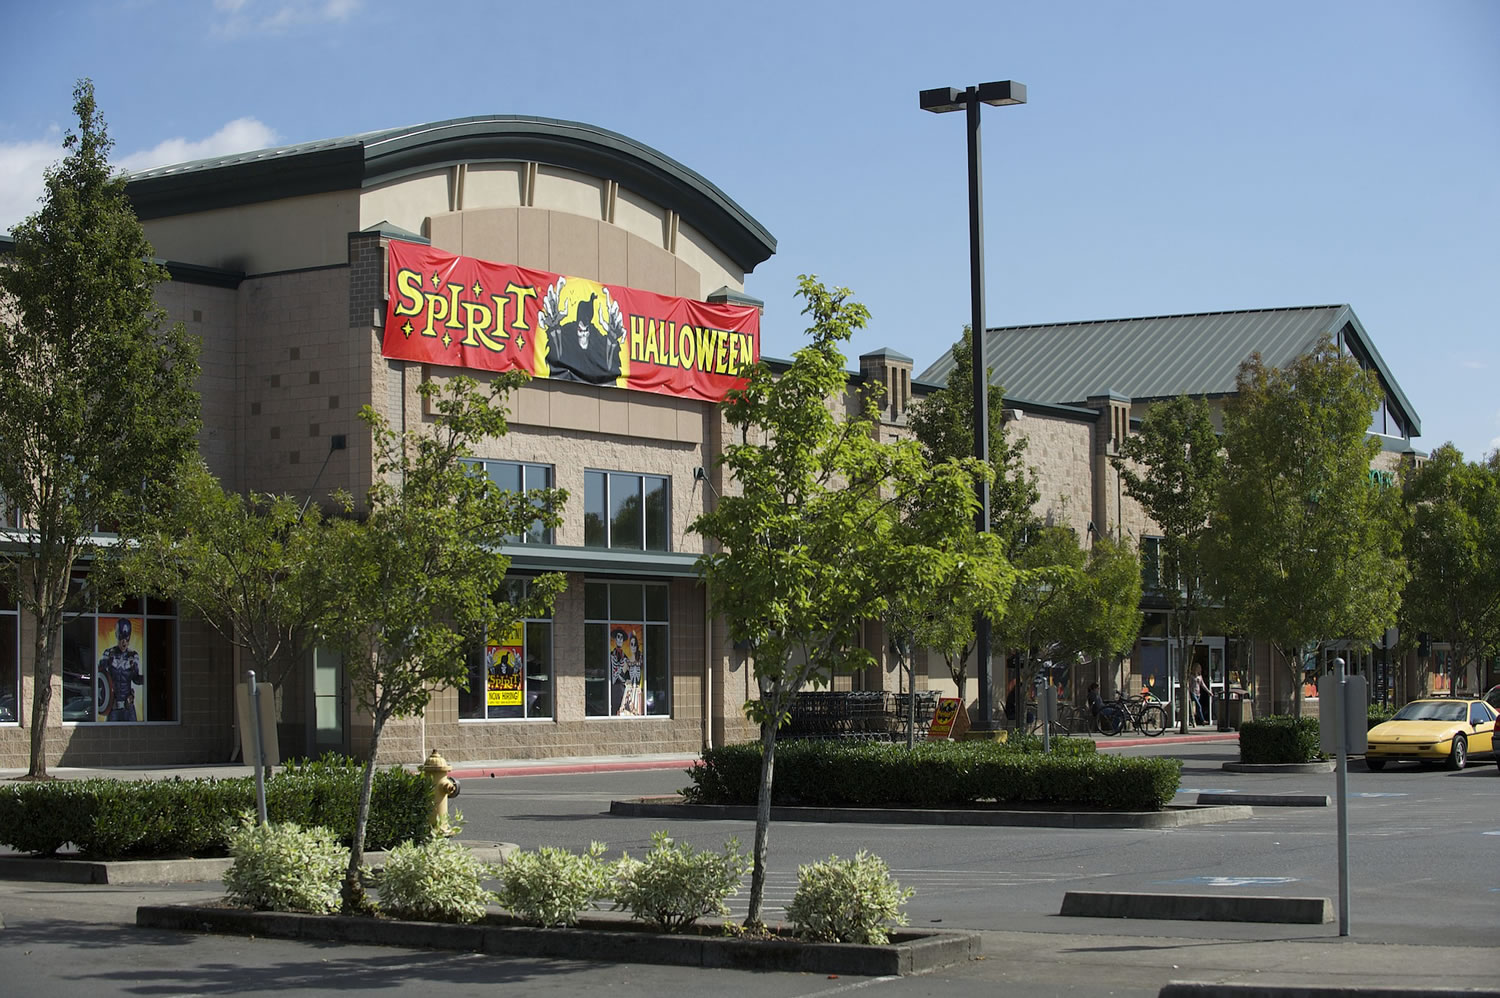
1233	881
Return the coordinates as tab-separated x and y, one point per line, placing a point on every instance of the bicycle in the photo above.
1144	713
1064	723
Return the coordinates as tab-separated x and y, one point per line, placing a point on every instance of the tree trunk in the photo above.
44	649
1183	649
911	707
353	893
762	823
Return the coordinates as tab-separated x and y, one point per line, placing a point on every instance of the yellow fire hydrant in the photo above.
436	769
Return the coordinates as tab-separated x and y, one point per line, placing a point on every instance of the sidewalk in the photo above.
473	769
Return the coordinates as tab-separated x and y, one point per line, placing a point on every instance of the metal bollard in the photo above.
436	769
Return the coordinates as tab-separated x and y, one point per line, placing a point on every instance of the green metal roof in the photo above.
600	561
372	158
1156	357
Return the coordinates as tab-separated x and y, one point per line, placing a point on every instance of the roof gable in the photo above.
1164	356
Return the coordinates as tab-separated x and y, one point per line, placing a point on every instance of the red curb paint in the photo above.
621	766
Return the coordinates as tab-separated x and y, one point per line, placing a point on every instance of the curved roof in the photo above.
1156	357
372	158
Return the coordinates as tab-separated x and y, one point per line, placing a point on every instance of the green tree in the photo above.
1108	616
1069	604
96	392
1308	545
1174	468
943	423
1453	548
802	547
419	577
934	608
245	566
1039	617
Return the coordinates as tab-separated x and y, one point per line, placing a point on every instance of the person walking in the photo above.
1200	699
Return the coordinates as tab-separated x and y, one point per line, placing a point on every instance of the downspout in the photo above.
701	474
708	673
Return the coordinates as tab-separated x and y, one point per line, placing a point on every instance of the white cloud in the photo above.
1474	365
246	16
23	163
240	135
21	167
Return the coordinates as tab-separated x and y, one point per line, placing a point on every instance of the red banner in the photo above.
461	312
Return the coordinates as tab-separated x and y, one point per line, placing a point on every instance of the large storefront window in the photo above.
626	649
514	476
625	511
510	674
10	659
1152	652
119	663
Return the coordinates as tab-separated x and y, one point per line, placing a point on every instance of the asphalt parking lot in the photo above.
1422	844
1418	841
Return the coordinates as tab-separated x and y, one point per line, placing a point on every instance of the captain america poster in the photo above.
120	683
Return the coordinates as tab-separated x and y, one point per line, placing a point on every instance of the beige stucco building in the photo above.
279	260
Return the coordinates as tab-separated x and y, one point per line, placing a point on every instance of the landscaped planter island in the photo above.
593	938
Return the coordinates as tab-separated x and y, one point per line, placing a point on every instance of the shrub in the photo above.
326	792
1378	714
551	886
115	819
935	774
847	901
437	881
1279	739
676	884
40	818
284	868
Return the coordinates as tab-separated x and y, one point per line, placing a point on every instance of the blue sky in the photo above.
1174	156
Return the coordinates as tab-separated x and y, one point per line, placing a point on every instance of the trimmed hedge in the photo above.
935	774
116	819
1280	739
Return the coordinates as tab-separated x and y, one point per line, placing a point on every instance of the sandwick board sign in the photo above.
950	720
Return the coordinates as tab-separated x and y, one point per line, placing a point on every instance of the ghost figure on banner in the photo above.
578	349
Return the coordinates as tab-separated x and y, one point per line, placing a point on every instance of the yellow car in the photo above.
1447	729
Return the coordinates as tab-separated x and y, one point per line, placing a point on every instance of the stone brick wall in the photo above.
571	732
202	733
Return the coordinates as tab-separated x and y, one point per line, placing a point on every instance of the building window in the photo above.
515	476
510	674
120	663
1151	564
625	511
10	659
626	649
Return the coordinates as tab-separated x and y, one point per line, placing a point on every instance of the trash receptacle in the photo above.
1232	711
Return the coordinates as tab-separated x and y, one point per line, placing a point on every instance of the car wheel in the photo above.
1458	757
1375	765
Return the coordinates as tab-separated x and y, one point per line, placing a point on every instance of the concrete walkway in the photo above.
539	767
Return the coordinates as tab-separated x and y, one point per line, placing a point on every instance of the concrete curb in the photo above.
167	871
1266	800
554	769
1325	766
1174	816
1198	907
1190	989
1172	737
607	940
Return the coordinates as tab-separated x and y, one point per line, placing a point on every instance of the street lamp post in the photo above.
939	101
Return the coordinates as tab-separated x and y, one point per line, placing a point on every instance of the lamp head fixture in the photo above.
952	99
